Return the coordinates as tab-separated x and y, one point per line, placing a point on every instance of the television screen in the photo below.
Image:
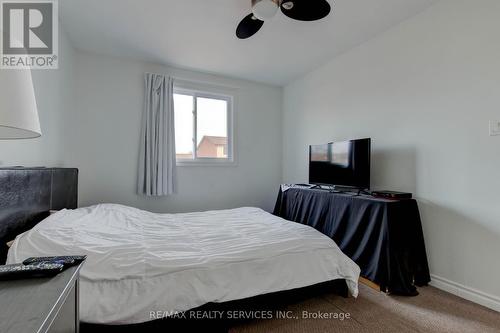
344	163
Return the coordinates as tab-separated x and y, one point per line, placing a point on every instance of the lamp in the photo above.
18	111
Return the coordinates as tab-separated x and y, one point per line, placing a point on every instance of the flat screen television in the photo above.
344	163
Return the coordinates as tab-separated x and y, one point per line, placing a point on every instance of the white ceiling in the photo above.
200	34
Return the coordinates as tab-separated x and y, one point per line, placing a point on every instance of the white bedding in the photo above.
140	261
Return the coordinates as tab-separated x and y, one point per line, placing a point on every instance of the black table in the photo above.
384	237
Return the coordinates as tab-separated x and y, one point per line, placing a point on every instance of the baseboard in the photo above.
470	294
369	283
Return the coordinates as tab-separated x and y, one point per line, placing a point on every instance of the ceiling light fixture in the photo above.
287	5
262	10
265	9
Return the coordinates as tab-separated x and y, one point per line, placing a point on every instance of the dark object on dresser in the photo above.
28	194
384	237
45	305
394	195
341	164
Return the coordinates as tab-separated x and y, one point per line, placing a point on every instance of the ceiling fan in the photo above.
263	10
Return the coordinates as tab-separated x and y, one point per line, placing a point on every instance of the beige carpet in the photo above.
432	311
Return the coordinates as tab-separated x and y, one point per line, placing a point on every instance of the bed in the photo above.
141	262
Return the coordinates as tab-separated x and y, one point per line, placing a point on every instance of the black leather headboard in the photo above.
28	194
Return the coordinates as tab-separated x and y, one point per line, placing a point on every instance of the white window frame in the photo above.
206	92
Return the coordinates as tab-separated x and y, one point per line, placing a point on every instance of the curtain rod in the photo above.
198	81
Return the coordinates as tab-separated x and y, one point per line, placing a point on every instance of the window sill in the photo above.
208	163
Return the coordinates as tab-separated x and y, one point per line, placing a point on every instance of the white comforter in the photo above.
140	262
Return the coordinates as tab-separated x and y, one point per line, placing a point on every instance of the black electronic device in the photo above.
391	195
20	271
66	261
345	163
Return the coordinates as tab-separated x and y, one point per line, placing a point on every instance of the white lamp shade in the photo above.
18	111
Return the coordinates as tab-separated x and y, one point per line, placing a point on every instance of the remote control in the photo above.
20	271
67	261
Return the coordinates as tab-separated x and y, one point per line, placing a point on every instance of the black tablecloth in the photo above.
384	237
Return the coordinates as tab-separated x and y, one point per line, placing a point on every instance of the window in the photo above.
203	127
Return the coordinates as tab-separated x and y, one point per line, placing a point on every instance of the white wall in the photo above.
54	96
424	92
90	114
103	140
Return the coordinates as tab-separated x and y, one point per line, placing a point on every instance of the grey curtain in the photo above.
157	171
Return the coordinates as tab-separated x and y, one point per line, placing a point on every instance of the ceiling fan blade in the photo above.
248	27
306	10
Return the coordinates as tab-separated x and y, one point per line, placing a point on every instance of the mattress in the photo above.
140	262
